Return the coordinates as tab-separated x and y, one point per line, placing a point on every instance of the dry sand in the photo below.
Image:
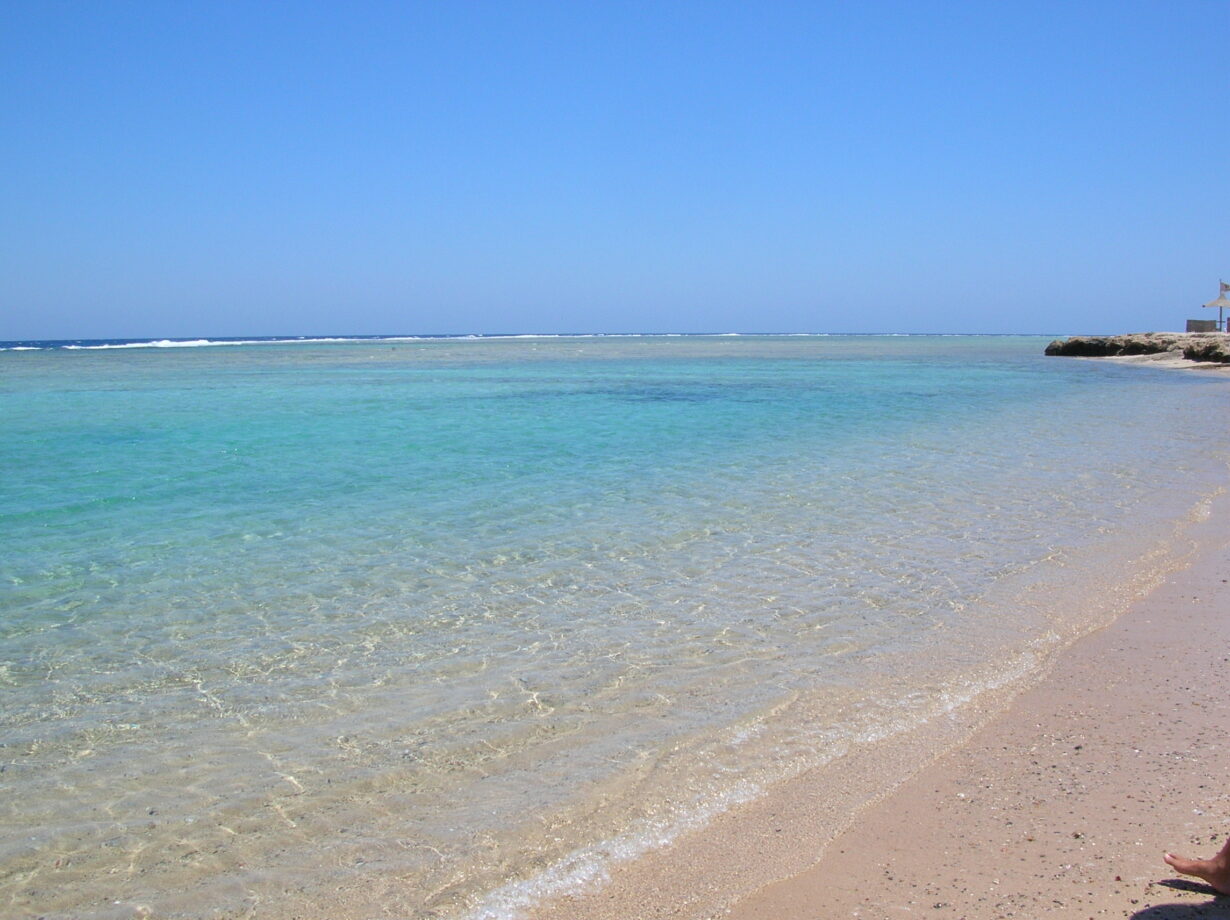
1166	359
1060	804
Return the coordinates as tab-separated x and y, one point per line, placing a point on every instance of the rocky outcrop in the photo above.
1194	346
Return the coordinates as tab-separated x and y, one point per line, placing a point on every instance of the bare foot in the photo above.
1215	871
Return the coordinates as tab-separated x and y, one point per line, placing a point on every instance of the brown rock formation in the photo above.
1195	346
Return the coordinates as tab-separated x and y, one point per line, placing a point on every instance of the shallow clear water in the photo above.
427	620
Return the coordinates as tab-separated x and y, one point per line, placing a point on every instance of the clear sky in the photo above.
444	166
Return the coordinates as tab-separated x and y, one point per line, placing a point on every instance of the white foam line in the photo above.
475	337
589	865
207	343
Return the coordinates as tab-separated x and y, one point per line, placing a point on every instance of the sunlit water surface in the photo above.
450	624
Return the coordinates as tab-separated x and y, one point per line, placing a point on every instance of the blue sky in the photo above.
187	169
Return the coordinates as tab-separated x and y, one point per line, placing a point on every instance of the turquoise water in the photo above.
445	624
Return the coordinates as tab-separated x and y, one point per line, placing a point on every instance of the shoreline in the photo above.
1050	795
1064	803
1165	361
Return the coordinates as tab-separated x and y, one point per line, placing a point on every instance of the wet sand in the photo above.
1058	802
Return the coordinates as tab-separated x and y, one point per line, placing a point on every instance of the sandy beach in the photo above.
731	599
1059	802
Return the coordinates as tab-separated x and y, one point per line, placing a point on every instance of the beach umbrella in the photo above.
1221	303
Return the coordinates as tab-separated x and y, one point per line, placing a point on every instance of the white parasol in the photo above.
1221	303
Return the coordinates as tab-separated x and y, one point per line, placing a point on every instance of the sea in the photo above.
432	627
